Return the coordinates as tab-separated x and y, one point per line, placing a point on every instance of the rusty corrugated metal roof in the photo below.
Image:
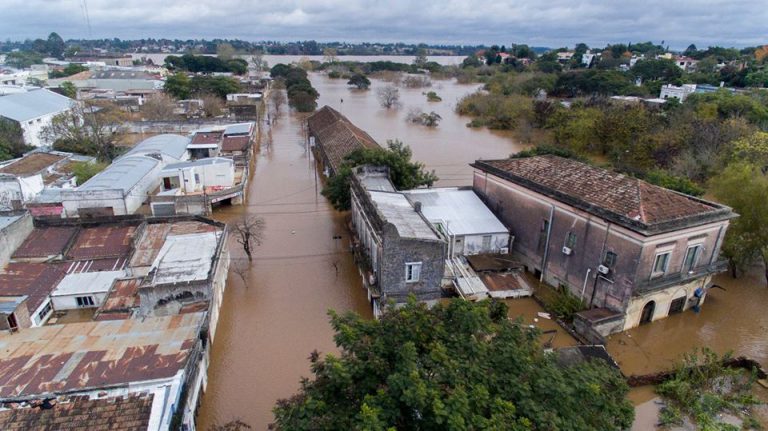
121	299
45	242
102	242
36	280
91	355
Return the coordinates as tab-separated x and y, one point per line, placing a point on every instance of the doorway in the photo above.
647	315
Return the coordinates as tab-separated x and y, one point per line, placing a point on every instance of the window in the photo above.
661	263
677	305
610	259
197	178
487	242
570	240
84	301
691	257
44	312
412	272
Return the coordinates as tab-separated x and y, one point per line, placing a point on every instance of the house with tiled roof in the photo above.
333	137
632	251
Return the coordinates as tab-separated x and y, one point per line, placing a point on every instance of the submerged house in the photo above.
632	251
333	137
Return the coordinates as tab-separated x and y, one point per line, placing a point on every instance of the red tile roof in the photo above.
45	242
235	143
336	136
102	242
626	200
79	413
207	137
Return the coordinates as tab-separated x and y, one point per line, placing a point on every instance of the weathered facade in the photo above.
399	251
638	251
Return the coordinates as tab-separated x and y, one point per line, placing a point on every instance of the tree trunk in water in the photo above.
765	268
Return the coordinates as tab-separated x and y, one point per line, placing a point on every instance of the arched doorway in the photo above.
647	315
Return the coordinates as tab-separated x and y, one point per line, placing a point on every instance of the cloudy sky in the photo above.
536	22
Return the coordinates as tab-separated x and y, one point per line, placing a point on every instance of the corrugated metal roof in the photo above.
79	356
199	162
171	145
123	174
461	211
239	129
6	221
33	104
396	209
185	258
86	283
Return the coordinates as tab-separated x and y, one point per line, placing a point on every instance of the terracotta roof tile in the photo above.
337	136
123	413
628	200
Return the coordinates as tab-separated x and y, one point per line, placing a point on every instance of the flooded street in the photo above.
268	329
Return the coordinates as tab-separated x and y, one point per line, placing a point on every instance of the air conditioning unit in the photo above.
602	269
504	250
567	251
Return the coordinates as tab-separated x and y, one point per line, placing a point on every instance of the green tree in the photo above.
360	81
11	139
85	170
456	366
404	173
55	45
68	89
93	129
225	51
178	86
70	70
743	186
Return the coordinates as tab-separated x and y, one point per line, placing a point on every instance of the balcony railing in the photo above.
672	279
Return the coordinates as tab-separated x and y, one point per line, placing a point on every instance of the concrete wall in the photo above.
473	244
21	313
152	297
13	235
31	130
219	286
36	319
663	299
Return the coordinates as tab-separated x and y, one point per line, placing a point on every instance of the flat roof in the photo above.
92	355
397	210
199	162
239	129
235	143
45	242
460	211
7	220
121	299
185	258
98	242
86	283
31	164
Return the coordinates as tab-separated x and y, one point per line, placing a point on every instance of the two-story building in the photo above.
634	251
399	251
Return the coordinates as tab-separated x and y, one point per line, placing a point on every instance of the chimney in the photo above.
417	207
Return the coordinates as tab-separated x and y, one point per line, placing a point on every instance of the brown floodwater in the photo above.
269	328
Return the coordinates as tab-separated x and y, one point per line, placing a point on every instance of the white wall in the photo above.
68	302
473	244
32	129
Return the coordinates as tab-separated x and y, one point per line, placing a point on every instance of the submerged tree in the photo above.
460	365
249	232
360	81
389	96
404	173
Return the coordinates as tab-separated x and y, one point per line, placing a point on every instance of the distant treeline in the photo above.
206	64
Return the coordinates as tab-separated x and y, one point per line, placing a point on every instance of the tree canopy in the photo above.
302	96
404	173
456	366
207	64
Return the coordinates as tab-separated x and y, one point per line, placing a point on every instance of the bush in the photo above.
672	182
564	304
433	97
83	171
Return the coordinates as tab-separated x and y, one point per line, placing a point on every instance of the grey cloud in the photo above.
549	23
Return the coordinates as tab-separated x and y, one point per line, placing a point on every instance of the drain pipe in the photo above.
584	286
546	243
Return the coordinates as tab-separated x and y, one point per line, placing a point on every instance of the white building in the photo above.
83	289
460	215
33	110
197	176
680	93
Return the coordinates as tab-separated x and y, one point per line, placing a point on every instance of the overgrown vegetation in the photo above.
181	86
563	304
69	70
83	171
206	64
11	140
702	388
404	173
457	365
302	96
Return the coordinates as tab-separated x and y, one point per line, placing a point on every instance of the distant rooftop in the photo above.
123	174
395	209
628	201
33	104
171	145
32	164
199	162
45	242
239	129
61	358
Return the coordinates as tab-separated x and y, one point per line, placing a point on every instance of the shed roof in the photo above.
91	355
9	304
397	210
235	143
121	299
98	242
124	174
7	220
36	280
625	200
337	136
122	413
171	145
461	211
33	104
239	129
